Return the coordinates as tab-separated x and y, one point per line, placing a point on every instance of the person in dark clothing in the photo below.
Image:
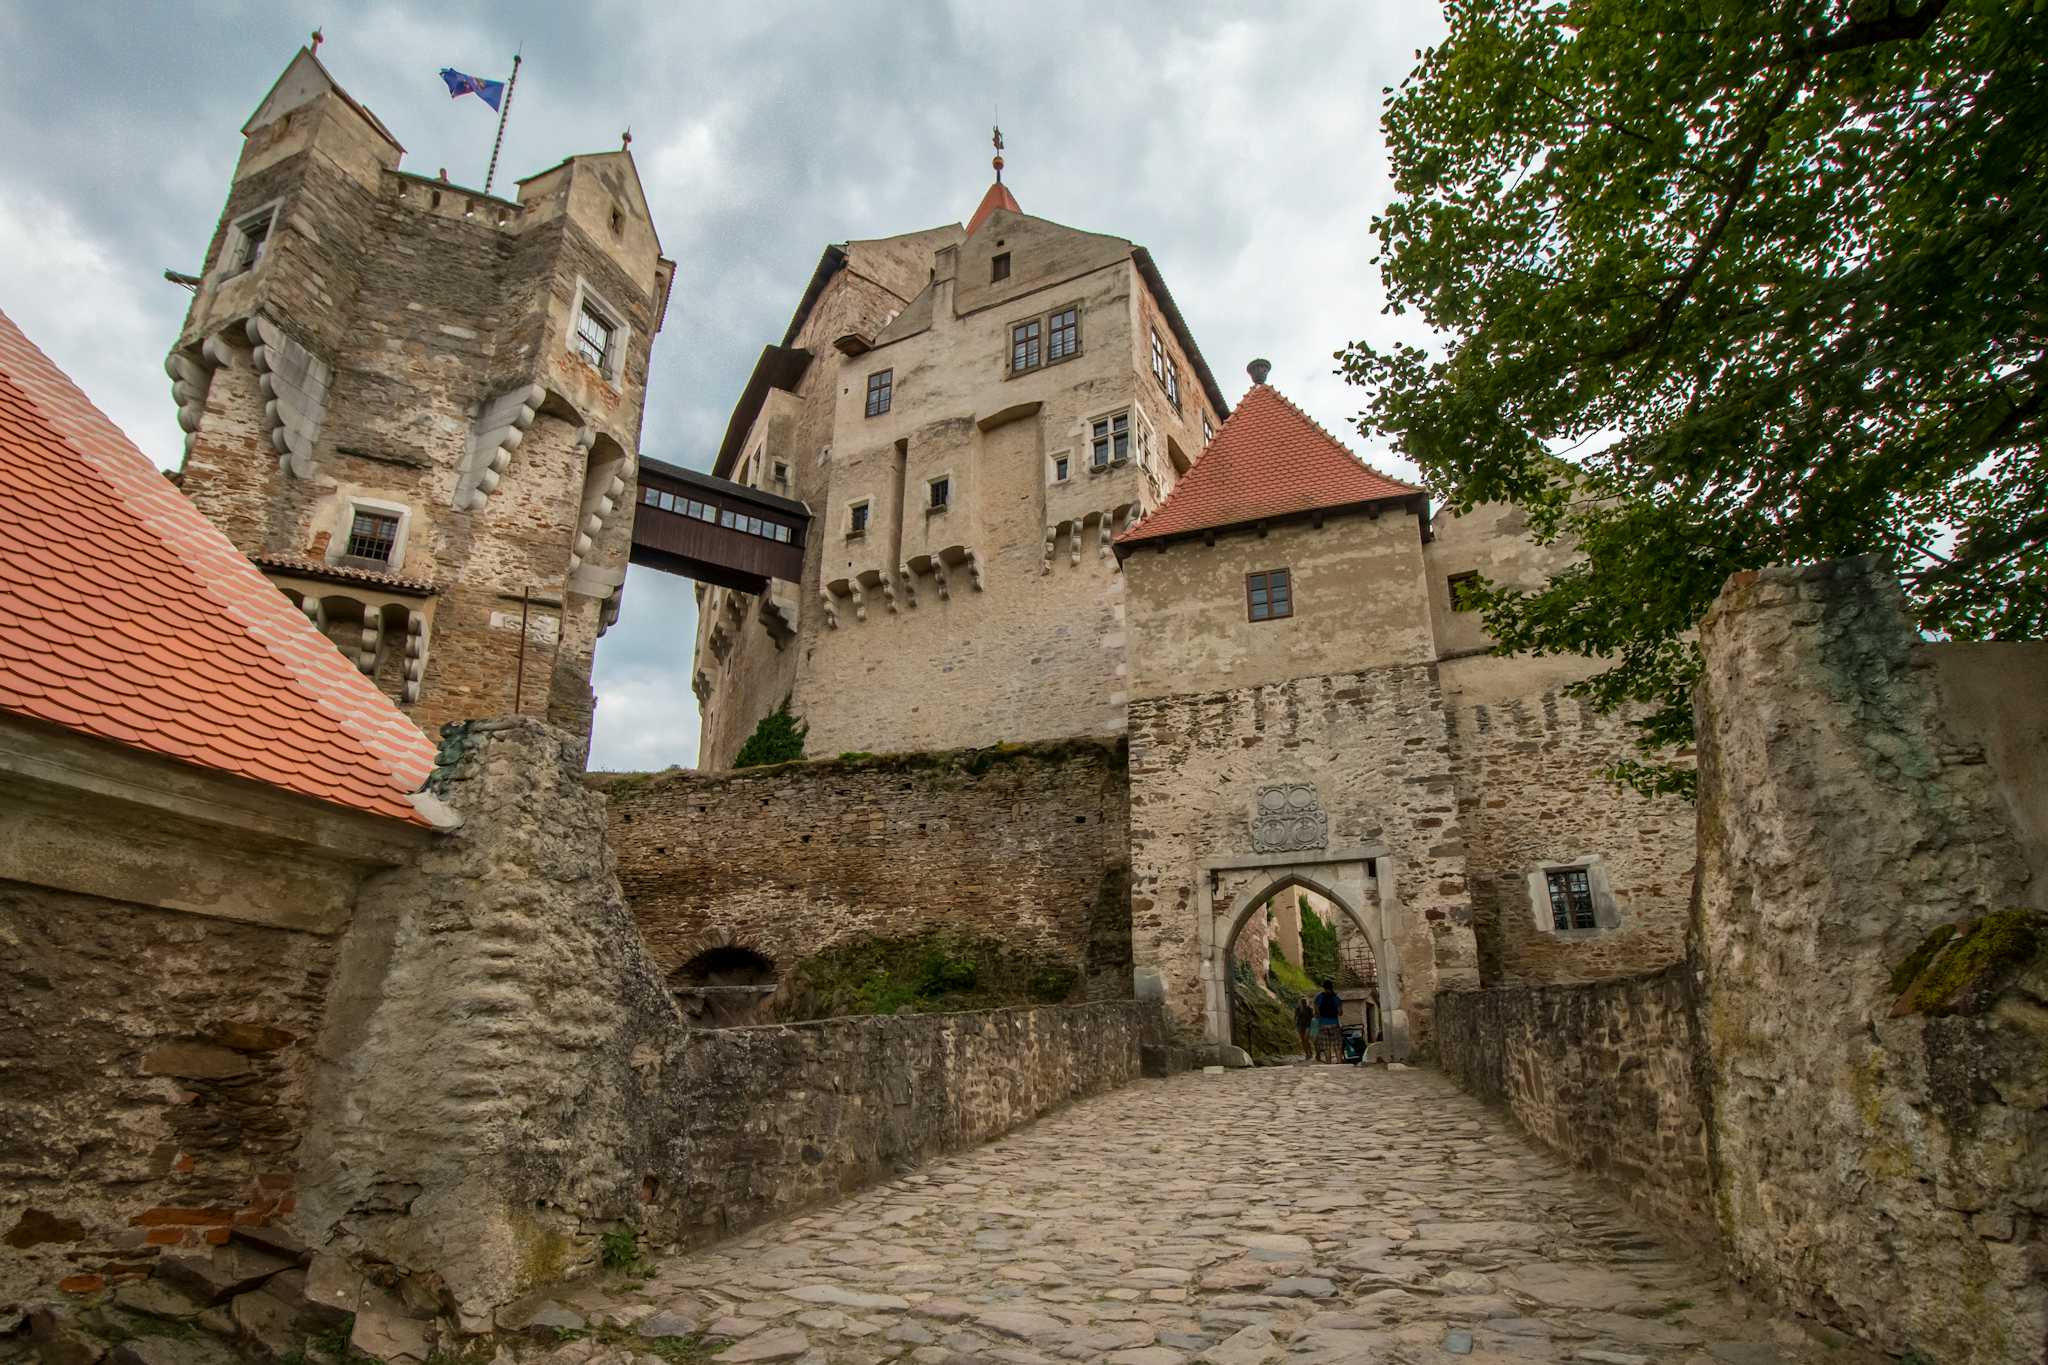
1304	1022
1329	1026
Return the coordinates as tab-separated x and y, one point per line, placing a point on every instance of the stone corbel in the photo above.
608	610
316	612
700	683
191	381
973	562
603	490
373	636
909	581
939	579
295	384
860	601
415	654
778	613
831	609
498	427
1106	531
1052	537
1074	529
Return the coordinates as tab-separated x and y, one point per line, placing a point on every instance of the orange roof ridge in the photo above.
139	622
998	197
1270	459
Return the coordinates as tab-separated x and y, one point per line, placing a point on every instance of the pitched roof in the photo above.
998	197
1270	459
125	615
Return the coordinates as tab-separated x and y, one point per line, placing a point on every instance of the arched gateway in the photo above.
1359	882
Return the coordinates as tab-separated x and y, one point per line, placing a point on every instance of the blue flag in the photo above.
490	92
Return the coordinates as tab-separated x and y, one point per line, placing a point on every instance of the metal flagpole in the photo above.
503	114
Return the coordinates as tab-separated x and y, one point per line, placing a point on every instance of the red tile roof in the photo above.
125	615
998	197
345	573
1269	460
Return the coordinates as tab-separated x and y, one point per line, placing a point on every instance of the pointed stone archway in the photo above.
1360	882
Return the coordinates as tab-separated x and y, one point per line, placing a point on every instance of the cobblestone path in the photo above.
1319	1213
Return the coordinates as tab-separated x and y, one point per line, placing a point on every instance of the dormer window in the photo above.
999	267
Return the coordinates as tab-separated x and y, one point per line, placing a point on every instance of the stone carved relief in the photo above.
1287	818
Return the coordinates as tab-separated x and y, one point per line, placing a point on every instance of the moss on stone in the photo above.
1113	750
1259	1024
544	1253
1916	961
1961	970
928	973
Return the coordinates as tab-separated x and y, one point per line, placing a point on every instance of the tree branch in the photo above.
1889	27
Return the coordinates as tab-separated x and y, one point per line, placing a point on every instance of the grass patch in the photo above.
619	1249
930	973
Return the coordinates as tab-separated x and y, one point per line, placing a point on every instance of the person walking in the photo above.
1329	1022
1304	1023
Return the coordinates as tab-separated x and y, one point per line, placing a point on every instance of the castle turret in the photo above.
417	406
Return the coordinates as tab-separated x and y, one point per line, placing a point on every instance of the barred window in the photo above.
857	519
881	388
942	492
1065	337
372	536
1268	596
1024	353
1571	897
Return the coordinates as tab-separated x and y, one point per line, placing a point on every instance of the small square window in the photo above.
650	496
999	267
857	519
782	472
1065	338
1059	469
1268	596
666	501
942	490
1571	897
1024	341
706	512
1462	585
372	535
728	520
881	389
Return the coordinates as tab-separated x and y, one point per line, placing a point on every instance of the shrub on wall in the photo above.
926	974
1318	946
779	738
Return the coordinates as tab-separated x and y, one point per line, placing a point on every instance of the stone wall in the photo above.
1027	846
1878	1140
1605	1074
780	1117
1530	764
505	1075
155	1067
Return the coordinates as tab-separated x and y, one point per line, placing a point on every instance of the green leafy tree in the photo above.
1318	945
1768	275
779	738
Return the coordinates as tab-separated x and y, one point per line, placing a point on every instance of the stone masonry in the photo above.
1028	847
368	343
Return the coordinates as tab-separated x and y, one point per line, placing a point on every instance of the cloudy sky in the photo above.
1241	145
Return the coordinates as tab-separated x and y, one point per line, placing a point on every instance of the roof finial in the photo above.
318	38
1258	370
626	139
999	153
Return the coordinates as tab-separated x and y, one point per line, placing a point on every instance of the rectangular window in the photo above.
1065	338
782	473
857	519
1571	897
1461	586
650	496
1059	470
1098	444
999	267
1120	437
729	521
1208	432
252	236
706	512
942	489
666	501
1024	346
594	338
782	533
372	535
1158	357
1173	385
1268	596
881	388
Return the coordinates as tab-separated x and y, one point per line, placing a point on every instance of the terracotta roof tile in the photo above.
1271	459
124	614
998	197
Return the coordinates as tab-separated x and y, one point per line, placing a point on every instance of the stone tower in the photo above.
971	414
417	407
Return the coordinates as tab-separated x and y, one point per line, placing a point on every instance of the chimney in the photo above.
1258	370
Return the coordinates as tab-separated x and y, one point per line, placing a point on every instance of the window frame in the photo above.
1053	329
1452	582
1267	578
239	240
350	507
931	486
886	389
999	267
1035	341
1605	911
619	337
859	513
1062	466
1117	443
1158	357
1208	430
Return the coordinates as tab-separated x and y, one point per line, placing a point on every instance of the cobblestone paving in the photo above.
1310	1213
